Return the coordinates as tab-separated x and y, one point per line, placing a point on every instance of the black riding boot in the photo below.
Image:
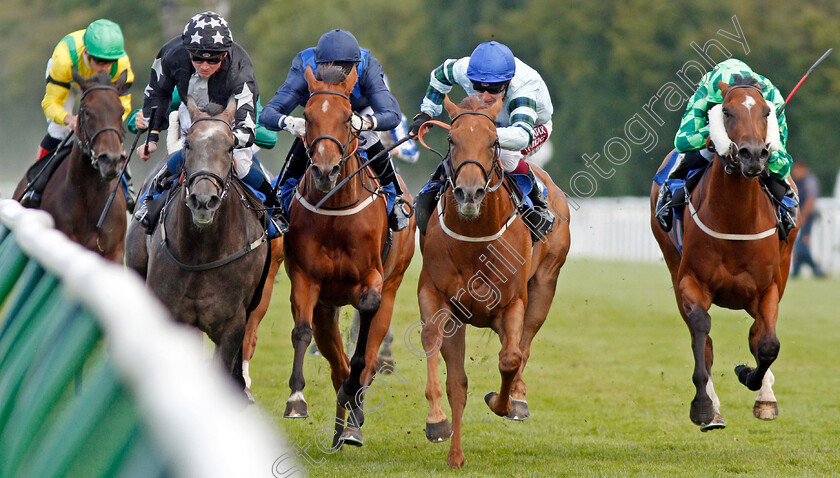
539	219
130	194
788	205
276	209
665	202
147	214
384	170
46	150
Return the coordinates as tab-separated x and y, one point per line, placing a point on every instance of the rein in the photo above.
85	140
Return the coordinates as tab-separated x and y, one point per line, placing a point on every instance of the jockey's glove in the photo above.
417	122
362	123
296	126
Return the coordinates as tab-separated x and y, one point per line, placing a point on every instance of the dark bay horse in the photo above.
481	268
78	190
334	255
732	255
206	257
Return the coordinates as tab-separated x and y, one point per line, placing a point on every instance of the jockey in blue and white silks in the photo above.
375	107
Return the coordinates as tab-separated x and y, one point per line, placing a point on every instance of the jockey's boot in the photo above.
32	197
788	205
664	203
128	189
539	219
273	207
384	170
428	196
158	185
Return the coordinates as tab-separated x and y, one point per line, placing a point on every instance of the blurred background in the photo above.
602	60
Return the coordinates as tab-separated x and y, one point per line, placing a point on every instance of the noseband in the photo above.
452	176
86	139
730	166
221	184
344	148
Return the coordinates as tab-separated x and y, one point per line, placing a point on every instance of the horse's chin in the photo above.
324	186
107	173
469	210
202	218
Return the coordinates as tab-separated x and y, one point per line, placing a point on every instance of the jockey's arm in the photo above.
386	109
292	93
520	133
441	80
694	126
59	80
245	117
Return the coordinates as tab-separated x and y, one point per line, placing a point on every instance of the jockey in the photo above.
206	64
694	130
375	107
98	49
524	122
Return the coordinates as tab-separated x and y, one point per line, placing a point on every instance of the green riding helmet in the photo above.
104	39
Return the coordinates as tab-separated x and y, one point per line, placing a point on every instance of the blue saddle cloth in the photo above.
287	190
523	182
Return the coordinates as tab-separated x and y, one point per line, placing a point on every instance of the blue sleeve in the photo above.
386	110
293	93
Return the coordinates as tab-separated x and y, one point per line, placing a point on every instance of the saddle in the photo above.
41	171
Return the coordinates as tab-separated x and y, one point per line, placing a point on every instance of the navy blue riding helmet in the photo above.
337	46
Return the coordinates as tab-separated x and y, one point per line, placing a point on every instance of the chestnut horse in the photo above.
334	255
478	256
78	190
206	257
732	255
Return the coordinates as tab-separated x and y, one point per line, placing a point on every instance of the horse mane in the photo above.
100	79
330	73
213	109
472	103
744	80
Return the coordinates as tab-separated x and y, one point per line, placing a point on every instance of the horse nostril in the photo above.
744	154
214	203
192	202
459	194
765	155
479	195
335	171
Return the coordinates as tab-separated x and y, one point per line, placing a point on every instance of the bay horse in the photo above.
77	191
206	257
481	268
334	255
732	255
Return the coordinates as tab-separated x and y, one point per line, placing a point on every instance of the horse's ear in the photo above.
230	110
350	82
77	77
120	83
310	77
724	88
494	110
192	107
451	108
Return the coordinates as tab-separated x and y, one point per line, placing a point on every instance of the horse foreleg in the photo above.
304	297
452	350
249	345
764	346
510	357
229	348
694	308
368	302
438	428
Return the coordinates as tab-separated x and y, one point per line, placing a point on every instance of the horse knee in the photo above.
369	302
510	362
768	350
699	321
302	333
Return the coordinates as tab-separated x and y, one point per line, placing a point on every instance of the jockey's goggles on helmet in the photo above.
100	61
492	88
212	58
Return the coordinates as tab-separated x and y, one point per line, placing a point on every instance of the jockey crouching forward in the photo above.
206	64
524	123
375	109
694	131
98	49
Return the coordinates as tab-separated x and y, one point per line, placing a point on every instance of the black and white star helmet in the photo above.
207	32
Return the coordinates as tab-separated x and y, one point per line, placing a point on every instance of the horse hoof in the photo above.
518	410
717	423
764	410
439	432
296	409
702	415
489	398
743	372
249	396
351	436
347	401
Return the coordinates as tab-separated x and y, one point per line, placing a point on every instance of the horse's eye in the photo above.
726	113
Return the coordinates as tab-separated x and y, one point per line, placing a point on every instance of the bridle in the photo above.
496	169
344	148
222	185
731	166
85	139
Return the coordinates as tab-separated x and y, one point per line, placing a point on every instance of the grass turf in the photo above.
609	389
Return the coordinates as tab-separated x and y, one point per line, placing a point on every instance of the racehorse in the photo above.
732	255
479	257
77	191
206	257
334	255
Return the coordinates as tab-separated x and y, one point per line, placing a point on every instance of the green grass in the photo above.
609	389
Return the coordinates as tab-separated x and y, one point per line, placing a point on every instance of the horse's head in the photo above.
329	138
208	160
100	129
744	127
473	151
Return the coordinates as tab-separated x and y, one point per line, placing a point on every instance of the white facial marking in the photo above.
472	129
325	106
320	149
748	102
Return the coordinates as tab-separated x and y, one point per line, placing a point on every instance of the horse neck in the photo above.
83	177
742	198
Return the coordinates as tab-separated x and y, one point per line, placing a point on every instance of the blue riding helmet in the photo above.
337	46
491	62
